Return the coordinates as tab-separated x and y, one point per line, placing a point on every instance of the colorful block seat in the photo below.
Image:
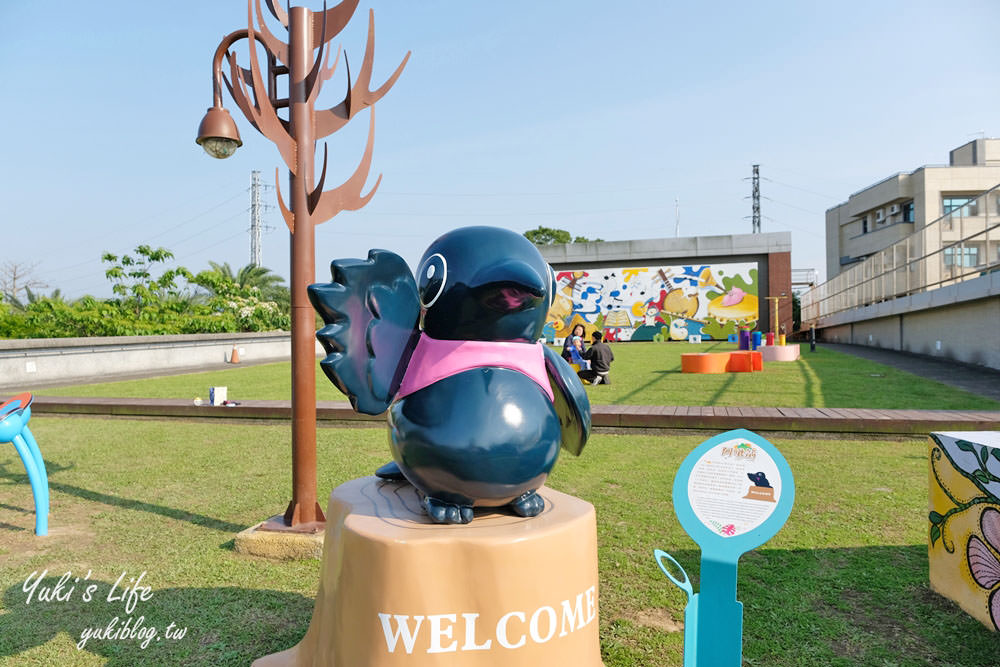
704	362
14	415
780	352
745	362
721	362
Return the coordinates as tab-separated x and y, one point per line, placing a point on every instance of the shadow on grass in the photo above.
15	508
124	503
810	391
624	400
217	626
713	399
859	605
663	375
849	606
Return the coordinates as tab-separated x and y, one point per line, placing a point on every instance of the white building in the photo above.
880	215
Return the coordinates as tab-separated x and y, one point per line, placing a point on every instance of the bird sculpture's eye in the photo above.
431	278
552	285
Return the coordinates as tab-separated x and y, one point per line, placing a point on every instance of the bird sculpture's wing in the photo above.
570	400
371	310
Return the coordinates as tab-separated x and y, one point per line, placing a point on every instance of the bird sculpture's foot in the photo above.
390	471
441	512
529	504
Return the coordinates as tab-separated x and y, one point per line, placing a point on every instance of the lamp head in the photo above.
217	133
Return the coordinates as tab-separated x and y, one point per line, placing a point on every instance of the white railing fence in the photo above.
961	245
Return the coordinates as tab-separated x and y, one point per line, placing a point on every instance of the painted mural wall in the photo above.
964	522
656	302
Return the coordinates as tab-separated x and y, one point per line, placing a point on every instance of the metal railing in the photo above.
961	245
804	277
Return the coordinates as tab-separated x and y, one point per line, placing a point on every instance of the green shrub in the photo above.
174	302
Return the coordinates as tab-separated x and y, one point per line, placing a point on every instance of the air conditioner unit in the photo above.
894	209
878	216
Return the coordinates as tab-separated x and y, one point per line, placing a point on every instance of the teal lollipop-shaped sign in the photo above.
731	494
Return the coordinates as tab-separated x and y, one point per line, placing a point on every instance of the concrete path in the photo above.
15	388
976	379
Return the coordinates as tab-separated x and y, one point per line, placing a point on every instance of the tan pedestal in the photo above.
396	589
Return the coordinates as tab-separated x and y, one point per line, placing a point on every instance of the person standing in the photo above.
600	357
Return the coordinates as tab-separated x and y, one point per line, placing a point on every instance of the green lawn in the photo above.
844	583
642	374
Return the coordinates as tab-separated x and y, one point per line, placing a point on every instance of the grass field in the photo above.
844	583
642	374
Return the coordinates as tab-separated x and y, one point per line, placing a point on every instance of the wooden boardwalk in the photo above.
617	417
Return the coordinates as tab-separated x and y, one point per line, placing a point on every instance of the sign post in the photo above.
731	494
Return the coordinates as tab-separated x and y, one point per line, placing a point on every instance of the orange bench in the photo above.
722	362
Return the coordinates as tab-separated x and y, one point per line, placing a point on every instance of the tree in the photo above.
269	285
254	295
550	236
132	279
149	300
15	277
31	297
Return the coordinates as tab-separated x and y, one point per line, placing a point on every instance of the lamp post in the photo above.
774	320
295	138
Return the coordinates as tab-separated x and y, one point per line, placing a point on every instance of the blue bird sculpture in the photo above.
477	407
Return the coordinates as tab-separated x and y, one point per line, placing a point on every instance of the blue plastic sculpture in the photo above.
709	500
477	407
14	415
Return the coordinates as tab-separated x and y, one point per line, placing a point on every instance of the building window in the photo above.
908	215
864	225
959	206
954	256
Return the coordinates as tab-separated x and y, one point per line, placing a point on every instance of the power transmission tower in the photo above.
755	194
257	209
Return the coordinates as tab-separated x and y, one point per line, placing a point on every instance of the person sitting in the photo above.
600	357
578	332
576	351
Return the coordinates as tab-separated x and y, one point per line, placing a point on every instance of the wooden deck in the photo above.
617	417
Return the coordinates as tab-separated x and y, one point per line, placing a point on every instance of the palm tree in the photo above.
272	286
32	297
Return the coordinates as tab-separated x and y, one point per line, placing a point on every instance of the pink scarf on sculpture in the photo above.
435	360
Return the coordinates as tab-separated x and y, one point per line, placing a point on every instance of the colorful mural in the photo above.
964	522
656	303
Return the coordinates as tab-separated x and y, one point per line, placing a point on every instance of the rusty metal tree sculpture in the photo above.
305	60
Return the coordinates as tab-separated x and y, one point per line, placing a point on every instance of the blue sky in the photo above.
592	117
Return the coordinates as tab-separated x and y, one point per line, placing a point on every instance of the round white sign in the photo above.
734	487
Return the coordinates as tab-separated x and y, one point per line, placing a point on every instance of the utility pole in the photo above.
677	217
255	213
257	210
755	194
